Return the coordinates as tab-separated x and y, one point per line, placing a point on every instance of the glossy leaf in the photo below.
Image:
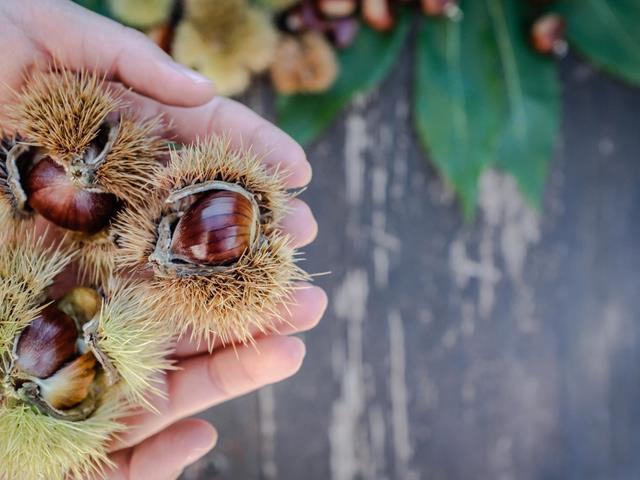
98	6
607	32
484	98
532	93
458	97
362	66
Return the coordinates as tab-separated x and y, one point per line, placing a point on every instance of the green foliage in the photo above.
530	103
362	66
98	6
607	32
455	94
484	98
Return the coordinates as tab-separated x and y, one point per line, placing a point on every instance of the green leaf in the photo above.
483	98
607	32
362	66
532	94
458	97
98	6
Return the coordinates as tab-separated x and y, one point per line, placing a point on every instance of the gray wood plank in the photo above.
503	349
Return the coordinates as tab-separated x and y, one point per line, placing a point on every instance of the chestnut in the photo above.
442	8
336	8
46	343
548	35
54	194
377	14
216	230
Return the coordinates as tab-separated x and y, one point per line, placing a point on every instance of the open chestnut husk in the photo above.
53	369
80	155
209	246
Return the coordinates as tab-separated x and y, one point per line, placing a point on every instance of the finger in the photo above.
305	311
167	454
244	127
299	223
79	39
207	380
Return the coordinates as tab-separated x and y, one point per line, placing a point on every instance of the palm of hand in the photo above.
37	33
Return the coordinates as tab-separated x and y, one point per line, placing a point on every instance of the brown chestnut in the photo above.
46	343
442	8
215	230
65	202
548	35
377	14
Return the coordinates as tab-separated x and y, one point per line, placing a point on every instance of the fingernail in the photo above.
176	475
295	348
201	439
190	74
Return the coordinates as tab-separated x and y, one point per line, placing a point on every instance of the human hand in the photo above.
38	33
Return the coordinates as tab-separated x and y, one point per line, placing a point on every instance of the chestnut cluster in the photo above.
169	241
71	367
337	19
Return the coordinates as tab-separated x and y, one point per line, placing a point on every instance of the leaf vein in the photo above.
508	59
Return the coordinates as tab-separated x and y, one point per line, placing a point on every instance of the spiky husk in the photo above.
6	210
226	40
141	13
132	336
27	269
96	256
304	64
131	166
9	210
34	446
229	304
62	112
6	197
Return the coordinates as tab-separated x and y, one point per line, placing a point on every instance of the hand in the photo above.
37	33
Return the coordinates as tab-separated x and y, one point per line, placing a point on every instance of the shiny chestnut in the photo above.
54	194
216	230
46	343
548	35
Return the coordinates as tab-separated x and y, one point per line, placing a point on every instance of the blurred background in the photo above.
476	191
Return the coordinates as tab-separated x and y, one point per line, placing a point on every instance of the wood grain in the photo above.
503	349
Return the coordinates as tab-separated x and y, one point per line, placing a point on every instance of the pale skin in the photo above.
36	33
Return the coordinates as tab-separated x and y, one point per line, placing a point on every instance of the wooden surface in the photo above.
505	349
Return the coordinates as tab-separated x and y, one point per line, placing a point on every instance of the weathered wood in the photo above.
506	349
